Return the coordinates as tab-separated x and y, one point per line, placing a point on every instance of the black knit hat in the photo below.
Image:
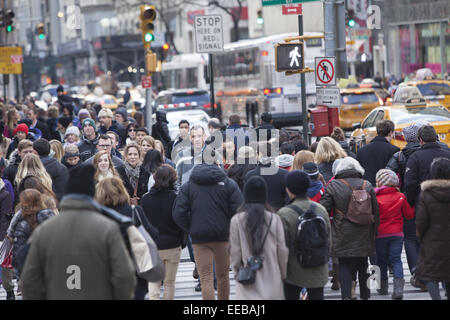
255	190
81	180
297	182
65	121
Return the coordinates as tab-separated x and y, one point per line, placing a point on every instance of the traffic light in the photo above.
41	31
6	20
350	18
259	19
148	14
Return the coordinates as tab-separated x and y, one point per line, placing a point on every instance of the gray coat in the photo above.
350	239
269	279
80	241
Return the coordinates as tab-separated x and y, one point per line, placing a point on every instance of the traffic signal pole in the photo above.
303	90
211	81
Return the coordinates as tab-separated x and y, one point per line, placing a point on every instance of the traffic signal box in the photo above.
7	19
41	30
148	14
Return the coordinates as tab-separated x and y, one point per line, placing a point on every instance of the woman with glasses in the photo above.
131	132
133	174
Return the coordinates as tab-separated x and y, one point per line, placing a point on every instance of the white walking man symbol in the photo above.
294	55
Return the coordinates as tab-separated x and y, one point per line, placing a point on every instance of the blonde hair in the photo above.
160	147
301	158
57	148
132	145
328	150
150	140
96	160
111	192
31	165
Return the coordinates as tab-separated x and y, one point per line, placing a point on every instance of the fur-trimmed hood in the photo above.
439	188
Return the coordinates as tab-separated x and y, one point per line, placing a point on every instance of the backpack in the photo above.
360	206
311	238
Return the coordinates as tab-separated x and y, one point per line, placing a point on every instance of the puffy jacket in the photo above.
399	160
418	168
157	206
393	207
206	204
59	174
350	239
23	230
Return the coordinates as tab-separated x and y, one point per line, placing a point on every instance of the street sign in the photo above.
330	97
208	33
295	9
289	57
146	82
325	71
11	60
278	2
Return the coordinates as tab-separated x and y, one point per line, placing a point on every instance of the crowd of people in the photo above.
234	204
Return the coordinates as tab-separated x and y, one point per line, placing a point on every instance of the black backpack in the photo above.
311	238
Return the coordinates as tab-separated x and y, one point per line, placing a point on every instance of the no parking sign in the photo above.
325	71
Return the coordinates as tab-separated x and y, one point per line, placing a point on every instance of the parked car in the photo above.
433	91
194	116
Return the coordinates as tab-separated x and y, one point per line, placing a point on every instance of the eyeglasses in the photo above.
132	130
104	145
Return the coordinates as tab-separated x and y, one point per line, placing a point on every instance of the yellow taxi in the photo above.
437	116
433	90
106	100
356	103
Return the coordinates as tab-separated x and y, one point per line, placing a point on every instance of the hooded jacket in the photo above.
206	204
87	148
59	174
433	231
160	131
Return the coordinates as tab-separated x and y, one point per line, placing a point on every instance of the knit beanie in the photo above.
297	182
386	177
73	130
123	113
81	180
65	121
84	112
106	113
90	122
21	127
284	160
255	190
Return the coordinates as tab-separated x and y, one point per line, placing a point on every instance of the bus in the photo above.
185	71
246	82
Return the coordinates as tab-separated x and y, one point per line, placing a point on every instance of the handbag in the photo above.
149	265
247	274
7	263
5	247
134	201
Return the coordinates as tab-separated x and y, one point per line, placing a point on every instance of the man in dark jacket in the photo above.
57	171
204	208
419	163
105	116
160	131
274	176
35	123
87	147
375	155
266	124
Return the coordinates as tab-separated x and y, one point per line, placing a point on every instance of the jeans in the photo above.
171	259
411	243
205	256
389	251
433	290
347	267
292	292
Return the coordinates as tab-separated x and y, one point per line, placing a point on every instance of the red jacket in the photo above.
318	196
393	207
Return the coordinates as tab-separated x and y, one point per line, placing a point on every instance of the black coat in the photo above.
375	156
52	124
418	168
87	148
160	131
142	181
326	170
6	211
270	131
206	204
433	231
399	160
278	197
43	127
157	206
59	174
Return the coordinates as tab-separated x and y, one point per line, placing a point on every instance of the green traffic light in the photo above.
351	23
9	28
41	36
149	37
260	20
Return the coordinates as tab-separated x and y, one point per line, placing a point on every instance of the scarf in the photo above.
132	173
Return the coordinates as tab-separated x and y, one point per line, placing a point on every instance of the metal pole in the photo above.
211	80
148	109
341	53
330	40
303	90
443	53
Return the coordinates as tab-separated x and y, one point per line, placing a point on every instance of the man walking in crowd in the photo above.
266	124
105	143
87	147
375	155
160	131
55	269
35	123
105	117
204	208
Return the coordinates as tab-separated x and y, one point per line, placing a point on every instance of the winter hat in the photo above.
297	182
91	122
21	127
255	190
106	113
266	117
84	112
73	130
81	180
60	89
123	113
65	121
440	168
386	177
284	160
311	169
